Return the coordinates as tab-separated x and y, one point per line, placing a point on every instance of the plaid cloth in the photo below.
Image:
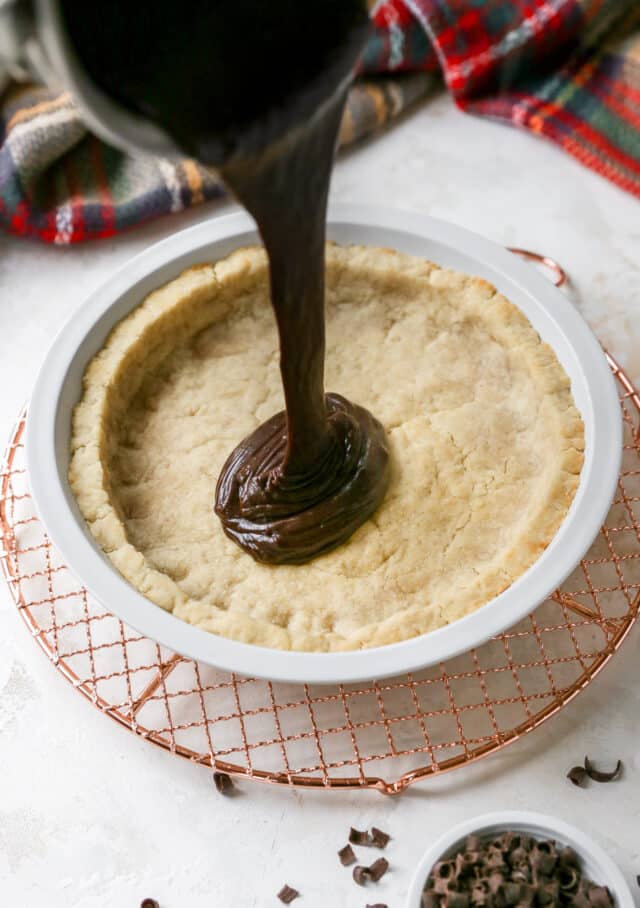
565	69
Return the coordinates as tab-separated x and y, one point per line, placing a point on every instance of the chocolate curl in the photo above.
518	856
495	859
527	894
583	888
580	900
568	878
599	776
358	836
466	862
378	869
473	843
430	899
287	894
568	857
374	873
443	870
360	874
508	894
521	873
480	893
223	783
496	880
545	847
542	897
455	900
578	775
600	897
444	884
443	876
553	887
543	859
509	840
549	893
346	856
149	903
379	838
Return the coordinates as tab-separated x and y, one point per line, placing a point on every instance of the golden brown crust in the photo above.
485	439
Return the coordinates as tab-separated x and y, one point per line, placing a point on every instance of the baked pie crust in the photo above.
486	448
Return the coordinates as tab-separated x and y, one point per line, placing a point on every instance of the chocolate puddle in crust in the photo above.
305	480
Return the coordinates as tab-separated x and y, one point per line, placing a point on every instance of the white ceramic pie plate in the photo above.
58	389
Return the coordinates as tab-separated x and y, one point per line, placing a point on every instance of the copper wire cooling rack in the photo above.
381	735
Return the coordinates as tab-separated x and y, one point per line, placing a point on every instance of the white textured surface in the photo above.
92	817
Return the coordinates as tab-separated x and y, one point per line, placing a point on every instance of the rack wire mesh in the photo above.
383	735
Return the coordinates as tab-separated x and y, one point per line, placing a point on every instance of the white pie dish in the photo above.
596	864
58	389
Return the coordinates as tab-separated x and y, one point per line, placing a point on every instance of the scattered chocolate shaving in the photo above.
223	782
361	874
346	855
638	879
374	873
379	838
149	903
378	869
359	836
578	775
287	894
377	905
599	776
376	838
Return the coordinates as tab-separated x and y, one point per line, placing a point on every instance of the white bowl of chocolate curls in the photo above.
514	857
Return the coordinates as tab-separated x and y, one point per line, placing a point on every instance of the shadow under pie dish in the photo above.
60	387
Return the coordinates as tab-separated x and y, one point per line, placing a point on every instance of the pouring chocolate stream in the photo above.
307	478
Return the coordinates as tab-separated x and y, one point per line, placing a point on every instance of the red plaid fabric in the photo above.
568	70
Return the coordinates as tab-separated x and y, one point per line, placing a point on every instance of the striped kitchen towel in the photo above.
565	69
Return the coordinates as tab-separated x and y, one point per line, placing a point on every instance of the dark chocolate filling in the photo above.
307	478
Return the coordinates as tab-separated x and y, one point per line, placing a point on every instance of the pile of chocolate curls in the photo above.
512	869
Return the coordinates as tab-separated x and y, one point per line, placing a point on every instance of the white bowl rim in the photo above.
536	824
52	496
